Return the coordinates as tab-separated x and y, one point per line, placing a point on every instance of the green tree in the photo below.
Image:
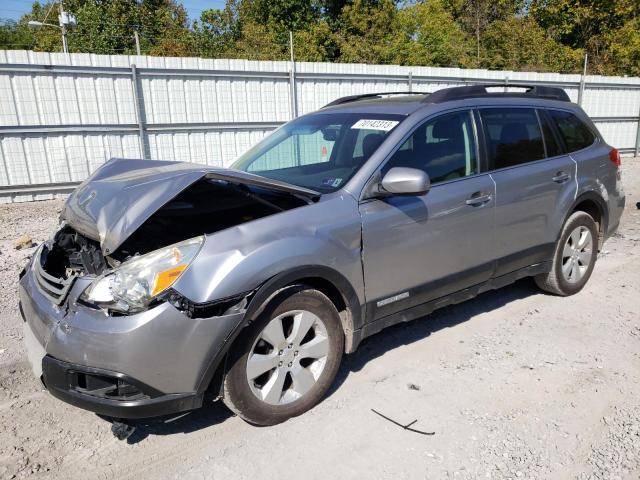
519	43
282	14
476	15
591	25
316	43
366	31
543	35
428	35
108	27
16	36
622	56
217	30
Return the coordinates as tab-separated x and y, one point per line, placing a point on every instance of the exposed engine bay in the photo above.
205	207
73	254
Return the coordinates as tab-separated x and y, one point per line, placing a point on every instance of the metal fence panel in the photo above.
63	115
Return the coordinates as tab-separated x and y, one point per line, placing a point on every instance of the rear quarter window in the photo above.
574	132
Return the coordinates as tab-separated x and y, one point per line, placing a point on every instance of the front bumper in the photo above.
164	355
89	388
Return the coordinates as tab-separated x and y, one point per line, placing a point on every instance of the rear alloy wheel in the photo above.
286	360
574	258
577	254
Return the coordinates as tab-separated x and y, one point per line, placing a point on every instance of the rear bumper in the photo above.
616	207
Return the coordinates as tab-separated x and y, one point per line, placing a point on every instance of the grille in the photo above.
55	289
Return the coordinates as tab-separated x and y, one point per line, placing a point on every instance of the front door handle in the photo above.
561	177
478	198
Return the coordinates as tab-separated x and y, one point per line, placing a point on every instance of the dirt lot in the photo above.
515	384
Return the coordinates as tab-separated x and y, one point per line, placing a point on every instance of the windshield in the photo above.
320	151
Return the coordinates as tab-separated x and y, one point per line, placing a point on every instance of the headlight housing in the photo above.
132	286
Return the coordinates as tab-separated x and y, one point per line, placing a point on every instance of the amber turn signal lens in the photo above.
167	278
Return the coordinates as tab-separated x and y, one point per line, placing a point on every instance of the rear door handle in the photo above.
561	177
478	199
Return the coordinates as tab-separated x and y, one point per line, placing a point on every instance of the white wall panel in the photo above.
213	103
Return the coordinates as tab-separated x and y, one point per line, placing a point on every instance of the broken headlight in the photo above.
132	286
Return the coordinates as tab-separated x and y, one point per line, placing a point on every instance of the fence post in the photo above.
292	80
410	82
140	113
582	81
637	153
506	83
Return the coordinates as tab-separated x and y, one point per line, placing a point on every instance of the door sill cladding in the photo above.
426	308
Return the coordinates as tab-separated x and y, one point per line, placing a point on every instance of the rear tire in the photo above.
574	257
286	360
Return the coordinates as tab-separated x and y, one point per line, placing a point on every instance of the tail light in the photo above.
614	156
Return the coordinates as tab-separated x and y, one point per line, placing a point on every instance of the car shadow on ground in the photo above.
213	413
419	329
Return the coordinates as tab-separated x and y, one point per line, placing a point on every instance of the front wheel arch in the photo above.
328	281
324	279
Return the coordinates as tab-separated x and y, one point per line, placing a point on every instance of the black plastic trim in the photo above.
475	91
524	258
364	96
430	291
56	375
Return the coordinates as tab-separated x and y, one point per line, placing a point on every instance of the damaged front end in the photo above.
115	334
135	226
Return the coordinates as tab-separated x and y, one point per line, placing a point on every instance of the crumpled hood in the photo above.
122	194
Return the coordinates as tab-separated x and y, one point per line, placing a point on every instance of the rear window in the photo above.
512	135
574	132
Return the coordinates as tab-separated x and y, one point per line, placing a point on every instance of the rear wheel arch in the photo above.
593	204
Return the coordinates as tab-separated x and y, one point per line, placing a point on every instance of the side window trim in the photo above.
430	118
544	140
545	117
483	157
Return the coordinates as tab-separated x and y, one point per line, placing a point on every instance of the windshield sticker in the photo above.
331	182
383	125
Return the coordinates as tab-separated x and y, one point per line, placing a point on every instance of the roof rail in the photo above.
354	98
459	93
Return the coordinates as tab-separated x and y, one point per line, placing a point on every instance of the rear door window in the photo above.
574	132
512	135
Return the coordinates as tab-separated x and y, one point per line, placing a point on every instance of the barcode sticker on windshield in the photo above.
384	125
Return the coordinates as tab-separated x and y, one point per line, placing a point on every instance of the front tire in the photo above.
574	258
286	360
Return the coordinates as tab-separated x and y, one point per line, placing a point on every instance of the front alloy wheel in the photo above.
288	357
285	361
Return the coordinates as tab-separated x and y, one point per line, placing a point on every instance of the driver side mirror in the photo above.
405	181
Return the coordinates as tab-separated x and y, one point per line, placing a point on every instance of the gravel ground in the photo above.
515	384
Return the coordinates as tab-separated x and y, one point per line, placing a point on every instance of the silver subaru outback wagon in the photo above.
168	283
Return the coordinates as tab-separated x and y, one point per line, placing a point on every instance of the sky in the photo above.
14	9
